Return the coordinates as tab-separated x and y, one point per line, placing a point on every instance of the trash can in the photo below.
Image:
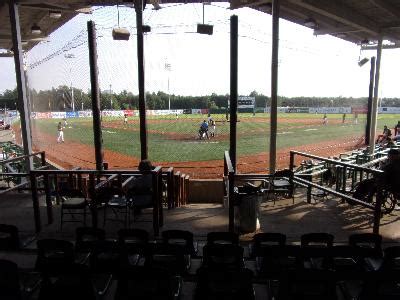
247	208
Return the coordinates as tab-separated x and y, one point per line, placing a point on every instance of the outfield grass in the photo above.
253	135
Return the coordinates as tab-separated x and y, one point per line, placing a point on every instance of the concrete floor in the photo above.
330	215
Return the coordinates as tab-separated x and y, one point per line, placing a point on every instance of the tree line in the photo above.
64	98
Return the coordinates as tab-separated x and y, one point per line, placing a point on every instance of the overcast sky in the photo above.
309	65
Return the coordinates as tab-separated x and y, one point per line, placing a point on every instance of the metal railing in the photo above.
94	180
7	165
340	190
229	181
230	177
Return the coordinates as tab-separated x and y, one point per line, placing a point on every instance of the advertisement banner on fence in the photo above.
389	110
112	113
72	114
330	110
196	111
43	115
129	112
359	110
298	110
164	112
85	114
57	115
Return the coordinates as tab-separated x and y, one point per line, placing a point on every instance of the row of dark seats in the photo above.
141	268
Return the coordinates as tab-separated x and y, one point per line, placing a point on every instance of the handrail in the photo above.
228	162
93	174
336	162
336	193
41	153
230	172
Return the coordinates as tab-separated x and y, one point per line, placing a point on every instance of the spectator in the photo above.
391	170
140	189
397	128
385	136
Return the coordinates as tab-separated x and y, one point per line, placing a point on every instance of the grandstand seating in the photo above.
316	268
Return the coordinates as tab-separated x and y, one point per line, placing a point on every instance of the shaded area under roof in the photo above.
357	21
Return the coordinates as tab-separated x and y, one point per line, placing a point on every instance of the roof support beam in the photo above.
375	47
340	12
391	9
344	29
141	79
374	112
274	85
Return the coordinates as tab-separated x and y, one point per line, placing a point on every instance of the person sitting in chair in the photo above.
389	179
141	189
386	134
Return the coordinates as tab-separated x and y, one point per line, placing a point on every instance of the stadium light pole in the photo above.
111	103
71	56
168	69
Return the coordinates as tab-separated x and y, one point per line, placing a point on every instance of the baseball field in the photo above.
173	141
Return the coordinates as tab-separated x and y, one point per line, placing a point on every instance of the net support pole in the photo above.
274	85
374	110
94	83
370	95
142	94
234	90
23	105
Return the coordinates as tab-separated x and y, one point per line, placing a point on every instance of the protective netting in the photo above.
187	83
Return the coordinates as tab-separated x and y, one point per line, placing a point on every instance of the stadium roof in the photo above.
357	21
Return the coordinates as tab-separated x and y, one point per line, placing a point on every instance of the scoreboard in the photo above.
246	102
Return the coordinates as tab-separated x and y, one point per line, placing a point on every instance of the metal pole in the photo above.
374	111
234	89
169	96
142	94
94	83
111	97
23	104
274	85
370	95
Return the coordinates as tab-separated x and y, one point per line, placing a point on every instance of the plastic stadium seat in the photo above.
147	283
9	281
222	238
9	237
181	237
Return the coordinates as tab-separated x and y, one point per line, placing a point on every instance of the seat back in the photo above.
222	238
9	237
224	284
368	244
107	257
168	256
133	240
180	237
54	256
73	282
9	281
223	256
87	238
310	284
391	259
266	239
317	239
141	282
